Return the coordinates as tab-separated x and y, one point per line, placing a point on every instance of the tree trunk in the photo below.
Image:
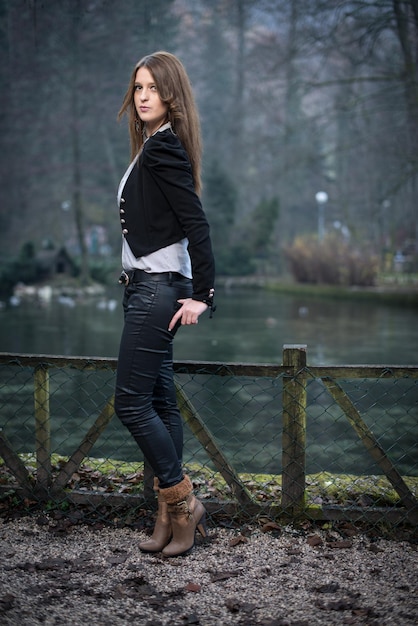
76	157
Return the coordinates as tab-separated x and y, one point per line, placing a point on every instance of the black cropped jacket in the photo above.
159	206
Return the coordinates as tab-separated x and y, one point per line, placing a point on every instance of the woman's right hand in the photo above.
189	312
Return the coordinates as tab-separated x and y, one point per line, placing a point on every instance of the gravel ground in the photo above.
82	575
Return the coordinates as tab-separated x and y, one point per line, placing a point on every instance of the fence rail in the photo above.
263	428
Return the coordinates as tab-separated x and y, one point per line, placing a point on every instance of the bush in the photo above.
234	261
330	262
22	268
105	271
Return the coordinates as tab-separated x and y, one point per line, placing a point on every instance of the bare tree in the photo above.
294	97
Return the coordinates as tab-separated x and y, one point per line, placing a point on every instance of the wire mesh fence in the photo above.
326	443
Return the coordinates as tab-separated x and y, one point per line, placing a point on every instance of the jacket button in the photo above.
125	231
122	221
122	200
122	210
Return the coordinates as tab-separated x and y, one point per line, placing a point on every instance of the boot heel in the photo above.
201	525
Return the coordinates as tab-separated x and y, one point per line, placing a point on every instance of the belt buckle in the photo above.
123	279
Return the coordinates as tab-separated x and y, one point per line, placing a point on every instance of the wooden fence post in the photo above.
42	427
294	428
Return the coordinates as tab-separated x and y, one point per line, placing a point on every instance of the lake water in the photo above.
250	326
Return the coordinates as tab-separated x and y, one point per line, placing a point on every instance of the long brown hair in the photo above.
175	91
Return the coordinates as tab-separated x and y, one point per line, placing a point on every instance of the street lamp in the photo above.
321	198
65	207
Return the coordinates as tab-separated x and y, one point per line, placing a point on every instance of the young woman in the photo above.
168	273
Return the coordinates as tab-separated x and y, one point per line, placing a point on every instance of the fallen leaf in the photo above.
217	576
194	587
117	559
270	526
6	602
343	604
374	548
52	563
190	619
314	540
327	588
238	539
232	605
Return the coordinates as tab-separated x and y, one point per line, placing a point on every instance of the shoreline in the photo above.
389	293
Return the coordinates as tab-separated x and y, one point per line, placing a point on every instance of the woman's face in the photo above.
151	110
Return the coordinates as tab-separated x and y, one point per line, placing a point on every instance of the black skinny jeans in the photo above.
145	399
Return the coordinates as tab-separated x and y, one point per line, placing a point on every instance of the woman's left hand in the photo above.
188	313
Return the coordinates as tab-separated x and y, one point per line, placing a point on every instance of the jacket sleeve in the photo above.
167	163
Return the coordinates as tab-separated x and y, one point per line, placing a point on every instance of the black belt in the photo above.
139	276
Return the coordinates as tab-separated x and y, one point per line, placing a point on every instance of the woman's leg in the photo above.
145	373
165	402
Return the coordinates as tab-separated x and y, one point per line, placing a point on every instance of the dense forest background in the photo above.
295	98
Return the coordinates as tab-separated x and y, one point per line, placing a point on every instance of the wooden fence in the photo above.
294	374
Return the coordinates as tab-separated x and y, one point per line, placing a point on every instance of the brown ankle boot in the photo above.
186	514
162	530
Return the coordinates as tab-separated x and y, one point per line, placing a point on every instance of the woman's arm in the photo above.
168	164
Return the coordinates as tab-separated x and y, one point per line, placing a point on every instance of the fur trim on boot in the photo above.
179	492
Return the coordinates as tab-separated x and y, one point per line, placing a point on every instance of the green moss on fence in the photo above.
324	488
